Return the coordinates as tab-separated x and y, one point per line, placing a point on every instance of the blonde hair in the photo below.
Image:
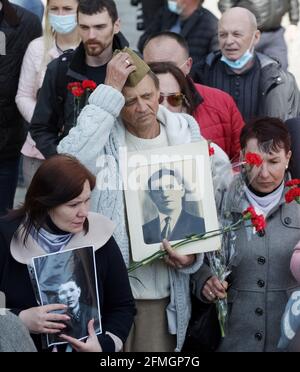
48	36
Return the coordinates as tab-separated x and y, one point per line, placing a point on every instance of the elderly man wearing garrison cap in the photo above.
124	112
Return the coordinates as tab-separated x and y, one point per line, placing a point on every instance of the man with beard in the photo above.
56	109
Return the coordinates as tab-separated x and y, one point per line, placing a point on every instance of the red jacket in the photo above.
219	120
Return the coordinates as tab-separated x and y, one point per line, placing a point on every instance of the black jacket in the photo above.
199	30
269	13
54	112
115	297
278	91
20	27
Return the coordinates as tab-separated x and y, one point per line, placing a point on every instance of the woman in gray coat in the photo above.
261	281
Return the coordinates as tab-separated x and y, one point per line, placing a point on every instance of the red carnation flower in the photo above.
74	85
253	159
89	84
259	222
294	182
77	92
211	150
249	213
293	195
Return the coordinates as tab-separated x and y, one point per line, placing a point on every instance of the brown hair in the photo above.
271	134
91	7
169	67
58	180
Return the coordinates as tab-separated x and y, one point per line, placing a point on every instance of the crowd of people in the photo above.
76	96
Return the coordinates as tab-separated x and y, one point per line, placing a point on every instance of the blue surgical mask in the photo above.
240	63
63	24
173	7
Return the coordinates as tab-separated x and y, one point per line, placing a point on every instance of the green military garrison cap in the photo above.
142	68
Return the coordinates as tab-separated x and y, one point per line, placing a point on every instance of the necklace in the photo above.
61	51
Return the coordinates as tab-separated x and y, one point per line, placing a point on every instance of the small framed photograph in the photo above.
69	277
169	195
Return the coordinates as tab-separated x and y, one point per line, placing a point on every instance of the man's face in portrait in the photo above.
69	294
167	193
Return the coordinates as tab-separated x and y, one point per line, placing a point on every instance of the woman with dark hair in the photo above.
260	281
55	217
175	93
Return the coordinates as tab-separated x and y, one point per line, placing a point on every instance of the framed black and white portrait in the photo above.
169	195
69	278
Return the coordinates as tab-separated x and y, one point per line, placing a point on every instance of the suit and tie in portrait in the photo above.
167	191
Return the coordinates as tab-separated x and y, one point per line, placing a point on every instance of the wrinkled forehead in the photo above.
238	20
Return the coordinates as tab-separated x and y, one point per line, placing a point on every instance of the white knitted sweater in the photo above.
99	132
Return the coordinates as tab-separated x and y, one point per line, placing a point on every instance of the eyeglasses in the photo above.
174	99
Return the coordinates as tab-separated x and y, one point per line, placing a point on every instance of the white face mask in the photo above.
63	24
173	7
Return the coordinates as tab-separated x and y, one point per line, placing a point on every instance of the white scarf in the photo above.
50	242
264	204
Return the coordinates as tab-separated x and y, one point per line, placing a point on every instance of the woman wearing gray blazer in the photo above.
260	280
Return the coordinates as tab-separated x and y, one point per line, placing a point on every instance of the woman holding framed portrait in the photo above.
55	218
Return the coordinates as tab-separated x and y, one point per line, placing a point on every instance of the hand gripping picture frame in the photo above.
69	278
169	195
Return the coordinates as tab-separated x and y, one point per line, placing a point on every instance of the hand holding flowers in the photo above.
175	260
257	222
219	260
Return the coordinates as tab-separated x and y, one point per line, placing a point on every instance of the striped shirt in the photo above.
244	88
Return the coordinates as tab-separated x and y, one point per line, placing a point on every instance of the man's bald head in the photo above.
237	33
243	15
168	47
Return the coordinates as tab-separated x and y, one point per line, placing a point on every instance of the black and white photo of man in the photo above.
68	278
80	314
167	191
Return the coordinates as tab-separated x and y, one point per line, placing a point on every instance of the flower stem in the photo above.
192	238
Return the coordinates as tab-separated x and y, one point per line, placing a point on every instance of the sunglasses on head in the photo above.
174	99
